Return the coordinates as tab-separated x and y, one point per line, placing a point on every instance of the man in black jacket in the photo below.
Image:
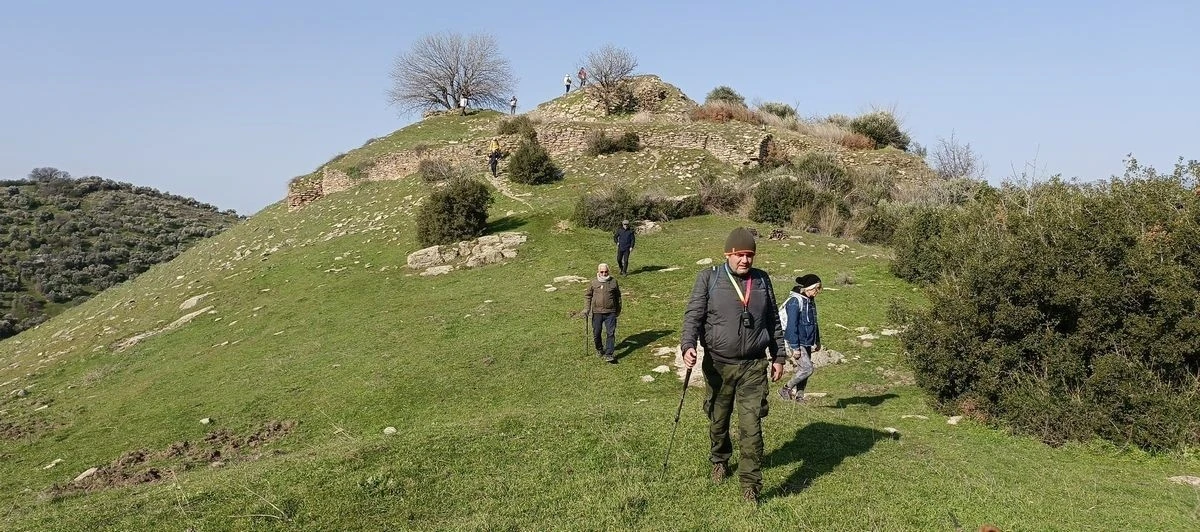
624	238
732	313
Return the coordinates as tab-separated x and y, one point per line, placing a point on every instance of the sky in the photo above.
226	101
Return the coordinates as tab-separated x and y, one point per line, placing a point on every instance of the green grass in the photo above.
504	420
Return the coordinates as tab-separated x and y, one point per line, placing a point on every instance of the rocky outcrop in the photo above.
488	249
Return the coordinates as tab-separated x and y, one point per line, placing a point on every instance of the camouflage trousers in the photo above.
742	387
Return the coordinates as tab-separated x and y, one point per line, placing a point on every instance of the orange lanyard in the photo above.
745	299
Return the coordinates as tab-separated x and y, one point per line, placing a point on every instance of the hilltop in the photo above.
295	372
678	148
68	239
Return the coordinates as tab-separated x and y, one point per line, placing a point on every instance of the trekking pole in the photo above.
687	377
587	333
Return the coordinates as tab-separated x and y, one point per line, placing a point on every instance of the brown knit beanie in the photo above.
739	240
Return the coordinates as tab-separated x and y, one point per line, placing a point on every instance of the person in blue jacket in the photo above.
801	334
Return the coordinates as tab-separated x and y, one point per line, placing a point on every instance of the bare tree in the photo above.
441	68
954	160
609	69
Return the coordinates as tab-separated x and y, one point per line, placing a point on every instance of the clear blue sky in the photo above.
225	101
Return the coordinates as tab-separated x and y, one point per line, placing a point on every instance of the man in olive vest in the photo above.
603	300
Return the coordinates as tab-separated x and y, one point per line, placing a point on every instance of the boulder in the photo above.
424	258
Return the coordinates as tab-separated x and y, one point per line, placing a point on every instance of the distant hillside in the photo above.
63	240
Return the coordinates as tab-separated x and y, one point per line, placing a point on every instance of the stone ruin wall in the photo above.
560	139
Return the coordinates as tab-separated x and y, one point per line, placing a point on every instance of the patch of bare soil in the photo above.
24	428
143	466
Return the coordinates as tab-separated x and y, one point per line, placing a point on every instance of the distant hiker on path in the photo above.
494	156
462	103
603	303
733	315
624	238
801	335
512	106
567	82
582	77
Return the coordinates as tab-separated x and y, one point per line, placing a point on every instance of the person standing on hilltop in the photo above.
582	77
567	82
462	103
801	335
512	105
733	315
603	304
625	238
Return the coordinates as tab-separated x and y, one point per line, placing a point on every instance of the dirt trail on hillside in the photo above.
502	186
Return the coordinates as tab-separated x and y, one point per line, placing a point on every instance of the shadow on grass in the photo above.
507	223
821	447
871	400
638	341
647	269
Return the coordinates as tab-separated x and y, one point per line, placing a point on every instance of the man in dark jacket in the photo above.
624	238
733	315
603	300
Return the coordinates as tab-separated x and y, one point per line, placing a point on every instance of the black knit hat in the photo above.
739	240
807	280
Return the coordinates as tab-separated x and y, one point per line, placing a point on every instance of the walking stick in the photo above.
587	333
687	377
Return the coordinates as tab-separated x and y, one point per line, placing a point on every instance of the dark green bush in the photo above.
517	125
879	226
1068	311
453	213
823	172
725	94
607	209
881	127
776	199
782	110
599	143
531	165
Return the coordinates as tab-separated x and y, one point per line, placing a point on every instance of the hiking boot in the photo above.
787	394
719	471
750	495
600	353
610	358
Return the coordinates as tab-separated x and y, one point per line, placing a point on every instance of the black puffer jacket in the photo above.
713	318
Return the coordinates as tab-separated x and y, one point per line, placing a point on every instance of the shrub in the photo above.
878	226
531	164
823	172
776	199
517	125
599	143
436	170
455	212
838	119
725	94
607	209
881	127
1068	311
856	141
720	196
721	112
782	110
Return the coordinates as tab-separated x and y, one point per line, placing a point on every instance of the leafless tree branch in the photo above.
440	68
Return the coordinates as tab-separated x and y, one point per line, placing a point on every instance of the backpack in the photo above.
783	318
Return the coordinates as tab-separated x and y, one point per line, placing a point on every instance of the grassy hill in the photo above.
67	239
299	337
